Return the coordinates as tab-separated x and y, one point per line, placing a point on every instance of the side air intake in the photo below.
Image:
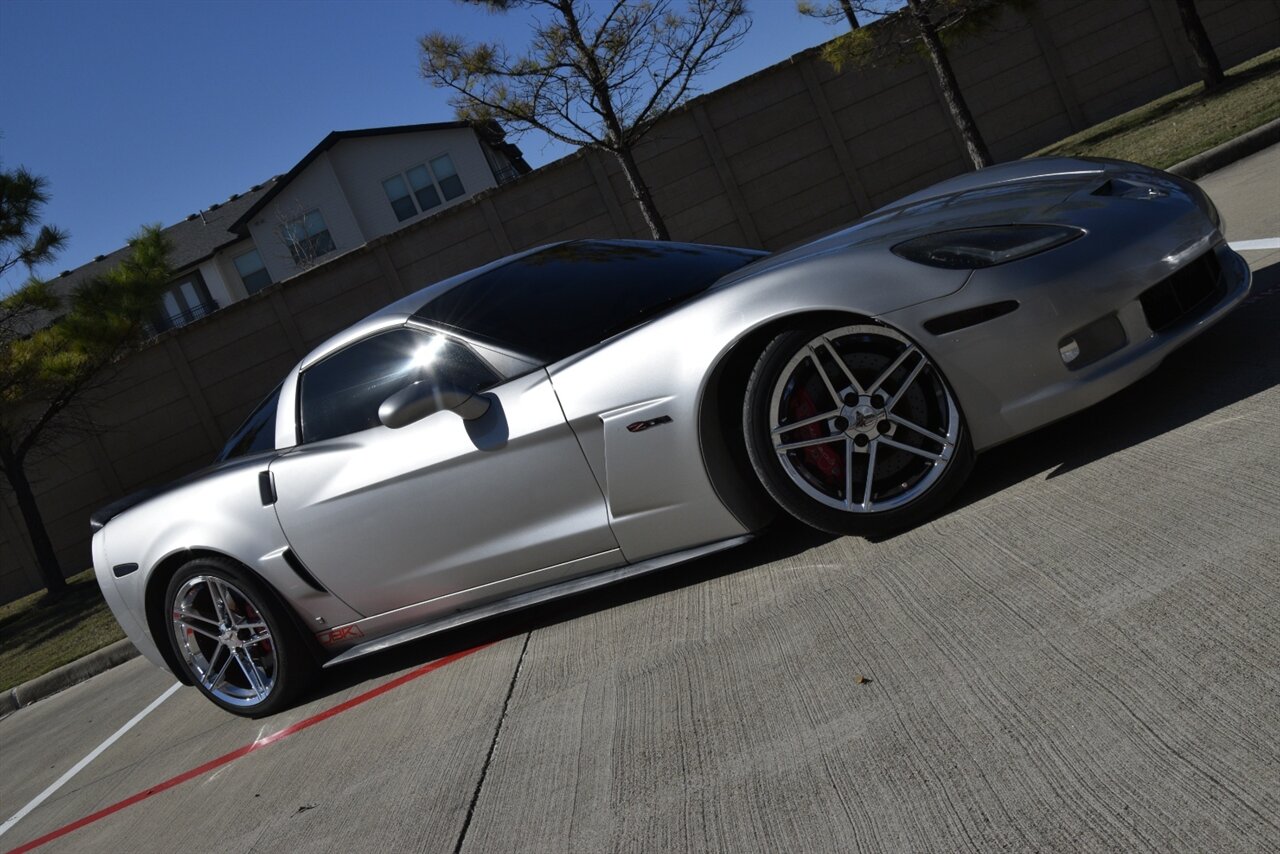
969	317
302	572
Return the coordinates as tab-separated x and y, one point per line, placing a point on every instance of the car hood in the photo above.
1021	191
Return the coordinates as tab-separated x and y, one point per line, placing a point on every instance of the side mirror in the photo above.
417	401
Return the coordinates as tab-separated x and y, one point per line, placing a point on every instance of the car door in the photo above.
387	518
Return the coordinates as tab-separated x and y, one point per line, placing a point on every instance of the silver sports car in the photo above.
584	412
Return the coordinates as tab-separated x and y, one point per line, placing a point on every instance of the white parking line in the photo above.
79	766
1255	245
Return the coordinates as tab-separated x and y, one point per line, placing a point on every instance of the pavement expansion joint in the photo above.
493	744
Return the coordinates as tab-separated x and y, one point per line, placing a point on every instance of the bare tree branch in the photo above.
589	78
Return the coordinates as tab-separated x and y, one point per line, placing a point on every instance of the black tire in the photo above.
818	493
258	641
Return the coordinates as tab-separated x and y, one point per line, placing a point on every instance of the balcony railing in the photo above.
505	175
165	321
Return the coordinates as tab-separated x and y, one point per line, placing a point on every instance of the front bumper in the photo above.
119	594
1008	373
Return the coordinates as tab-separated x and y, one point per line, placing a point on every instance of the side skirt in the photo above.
533	597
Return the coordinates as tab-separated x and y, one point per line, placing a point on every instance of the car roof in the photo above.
559	257
399	312
563	299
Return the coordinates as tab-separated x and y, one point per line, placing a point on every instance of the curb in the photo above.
66	676
1230	151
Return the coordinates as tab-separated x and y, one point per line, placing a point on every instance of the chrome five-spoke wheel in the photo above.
233	639
223	638
853	429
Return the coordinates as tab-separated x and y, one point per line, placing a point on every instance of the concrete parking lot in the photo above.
1083	653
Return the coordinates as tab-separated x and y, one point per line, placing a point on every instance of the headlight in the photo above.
972	248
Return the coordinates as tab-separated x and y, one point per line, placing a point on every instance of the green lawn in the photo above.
35	639
1168	130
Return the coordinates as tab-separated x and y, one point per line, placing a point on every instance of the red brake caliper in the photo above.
823	460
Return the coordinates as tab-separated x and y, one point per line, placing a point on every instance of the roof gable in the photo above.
488	132
194	239
202	234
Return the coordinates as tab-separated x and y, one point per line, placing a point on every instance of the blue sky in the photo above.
141	112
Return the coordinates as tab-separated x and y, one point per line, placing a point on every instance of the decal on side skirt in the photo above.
339	634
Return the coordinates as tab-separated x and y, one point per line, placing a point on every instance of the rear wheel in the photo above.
853	430
234	639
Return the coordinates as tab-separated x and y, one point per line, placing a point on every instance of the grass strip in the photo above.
1184	123
35	638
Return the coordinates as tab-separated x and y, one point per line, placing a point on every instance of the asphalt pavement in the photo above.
1082	654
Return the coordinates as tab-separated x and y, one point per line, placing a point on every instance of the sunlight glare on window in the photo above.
425	355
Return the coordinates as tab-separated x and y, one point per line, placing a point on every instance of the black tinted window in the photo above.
556	302
257	433
342	394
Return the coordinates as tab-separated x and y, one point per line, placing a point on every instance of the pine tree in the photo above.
53	347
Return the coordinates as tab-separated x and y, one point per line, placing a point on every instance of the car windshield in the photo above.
257	433
565	298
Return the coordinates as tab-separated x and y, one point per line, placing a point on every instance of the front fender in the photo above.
223	515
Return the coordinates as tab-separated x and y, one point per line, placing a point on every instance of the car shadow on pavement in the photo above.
784	538
1234	360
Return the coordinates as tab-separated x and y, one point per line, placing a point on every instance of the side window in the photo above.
252	271
420	189
447	176
257	433
342	394
307	237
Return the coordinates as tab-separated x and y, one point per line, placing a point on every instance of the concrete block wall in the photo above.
770	160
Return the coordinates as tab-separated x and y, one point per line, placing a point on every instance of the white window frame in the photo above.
289	232
235	259
403	175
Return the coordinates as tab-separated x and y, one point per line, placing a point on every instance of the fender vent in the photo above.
969	317
302	572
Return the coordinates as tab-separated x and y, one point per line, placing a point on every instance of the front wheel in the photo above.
234	639
853	430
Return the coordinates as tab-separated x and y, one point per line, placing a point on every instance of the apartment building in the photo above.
354	186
